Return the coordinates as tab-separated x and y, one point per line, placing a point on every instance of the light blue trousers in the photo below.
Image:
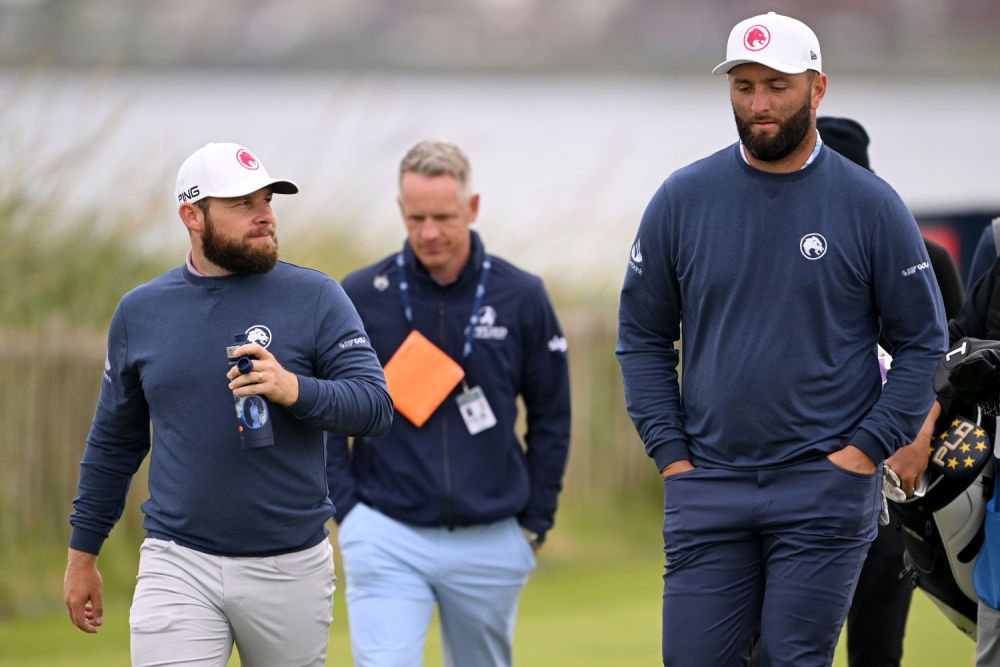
397	572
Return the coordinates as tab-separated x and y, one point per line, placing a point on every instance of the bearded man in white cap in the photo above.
235	550
783	260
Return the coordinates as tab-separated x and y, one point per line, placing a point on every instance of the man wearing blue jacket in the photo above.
783	260
235	550
451	512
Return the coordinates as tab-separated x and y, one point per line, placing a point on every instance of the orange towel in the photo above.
420	376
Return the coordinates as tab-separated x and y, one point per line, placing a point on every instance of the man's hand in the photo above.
82	591
675	468
267	378
532	539
852	459
910	462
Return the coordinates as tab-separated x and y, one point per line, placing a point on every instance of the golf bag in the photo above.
944	528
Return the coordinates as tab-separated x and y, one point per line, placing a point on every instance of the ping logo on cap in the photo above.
247	159
190	193
756	38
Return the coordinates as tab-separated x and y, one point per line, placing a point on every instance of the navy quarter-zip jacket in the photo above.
439	474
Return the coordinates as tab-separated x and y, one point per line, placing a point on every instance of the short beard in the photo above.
237	256
791	133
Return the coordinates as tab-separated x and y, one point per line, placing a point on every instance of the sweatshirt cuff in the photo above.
870	445
308	395
86	540
343	508
668	452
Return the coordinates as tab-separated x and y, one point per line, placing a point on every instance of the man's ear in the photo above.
474	207
192	217
818	90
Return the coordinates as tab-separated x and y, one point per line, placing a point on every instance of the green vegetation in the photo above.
52	340
73	273
66	273
595	600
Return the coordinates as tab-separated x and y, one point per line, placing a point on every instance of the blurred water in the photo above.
565	165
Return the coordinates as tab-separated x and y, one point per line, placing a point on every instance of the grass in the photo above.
599	613
594	601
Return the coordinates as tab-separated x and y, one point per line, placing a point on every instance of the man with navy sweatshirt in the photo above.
783	260
235	550
451	511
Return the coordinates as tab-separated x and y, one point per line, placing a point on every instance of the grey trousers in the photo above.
190	607
988	637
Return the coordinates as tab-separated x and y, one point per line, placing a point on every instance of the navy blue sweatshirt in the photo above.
781	281
167	365
439	475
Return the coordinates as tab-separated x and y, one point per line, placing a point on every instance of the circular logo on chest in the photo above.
812	246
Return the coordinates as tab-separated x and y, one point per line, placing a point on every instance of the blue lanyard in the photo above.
477	302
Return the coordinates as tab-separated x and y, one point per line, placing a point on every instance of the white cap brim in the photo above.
277	185
784	68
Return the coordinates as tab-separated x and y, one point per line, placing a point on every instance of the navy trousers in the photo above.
779	550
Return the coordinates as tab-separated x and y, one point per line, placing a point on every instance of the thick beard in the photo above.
237	256
791	133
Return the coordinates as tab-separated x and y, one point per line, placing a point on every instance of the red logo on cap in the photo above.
756	38
247	159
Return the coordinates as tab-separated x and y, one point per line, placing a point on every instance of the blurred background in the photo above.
572	112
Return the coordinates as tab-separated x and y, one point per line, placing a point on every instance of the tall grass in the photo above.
63	271
59	263
68	277
71	274
50	380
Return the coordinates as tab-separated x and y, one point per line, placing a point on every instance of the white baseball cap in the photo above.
775	41
225	170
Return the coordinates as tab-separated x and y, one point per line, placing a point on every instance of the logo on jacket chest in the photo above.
812	246
486	327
